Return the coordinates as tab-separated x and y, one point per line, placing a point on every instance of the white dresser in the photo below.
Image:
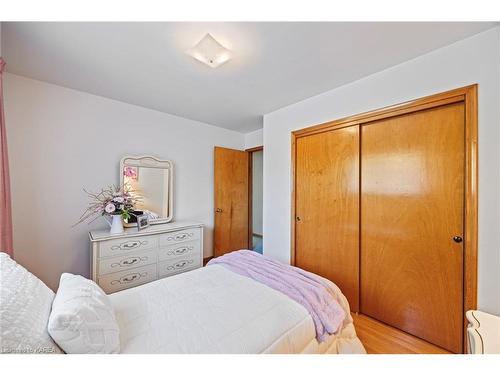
133	258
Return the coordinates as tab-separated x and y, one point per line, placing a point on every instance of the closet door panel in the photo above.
327	208
412	197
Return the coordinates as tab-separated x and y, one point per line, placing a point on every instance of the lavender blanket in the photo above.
308	289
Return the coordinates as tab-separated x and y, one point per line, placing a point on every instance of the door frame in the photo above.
467	95
250	151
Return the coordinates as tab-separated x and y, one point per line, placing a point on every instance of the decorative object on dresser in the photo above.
115	202
142	221
115	224
133	258
152	179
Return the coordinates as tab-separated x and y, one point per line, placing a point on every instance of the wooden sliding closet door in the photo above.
412	223
327	208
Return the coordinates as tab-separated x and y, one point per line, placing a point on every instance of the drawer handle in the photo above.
129	262
179	265
180	237
131	277
129	245
180	250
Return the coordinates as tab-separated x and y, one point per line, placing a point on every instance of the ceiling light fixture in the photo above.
210	51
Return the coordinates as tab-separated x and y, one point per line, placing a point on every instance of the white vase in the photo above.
116	224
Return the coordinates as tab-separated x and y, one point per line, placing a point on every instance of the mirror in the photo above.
152	179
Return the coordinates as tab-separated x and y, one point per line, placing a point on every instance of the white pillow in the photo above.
82	318
25	304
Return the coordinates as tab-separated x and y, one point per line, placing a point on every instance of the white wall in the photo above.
257	191
474	60
254	139
61	141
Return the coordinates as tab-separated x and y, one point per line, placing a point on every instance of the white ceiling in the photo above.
275	64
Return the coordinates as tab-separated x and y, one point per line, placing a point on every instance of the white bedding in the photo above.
213	310
25	304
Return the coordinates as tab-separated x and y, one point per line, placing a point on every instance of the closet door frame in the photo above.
468	96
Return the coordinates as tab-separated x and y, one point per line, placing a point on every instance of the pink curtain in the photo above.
5	207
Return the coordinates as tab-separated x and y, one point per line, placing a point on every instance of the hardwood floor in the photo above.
379	338
206	260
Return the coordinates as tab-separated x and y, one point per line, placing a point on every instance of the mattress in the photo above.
213	310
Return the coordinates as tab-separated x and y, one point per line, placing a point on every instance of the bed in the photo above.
215	310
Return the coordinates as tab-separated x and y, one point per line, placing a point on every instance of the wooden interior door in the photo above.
412	223
231	180
327	208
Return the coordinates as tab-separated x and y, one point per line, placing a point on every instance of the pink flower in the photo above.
130	172
110	208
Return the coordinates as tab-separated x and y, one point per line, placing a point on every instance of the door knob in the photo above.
218	210
457	239
298	218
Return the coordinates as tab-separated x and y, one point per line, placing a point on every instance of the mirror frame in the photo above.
150	161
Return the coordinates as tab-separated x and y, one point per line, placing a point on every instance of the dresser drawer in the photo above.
191	248
126	245
180	236
132	260
172	267
127	279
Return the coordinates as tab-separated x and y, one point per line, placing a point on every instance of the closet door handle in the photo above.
298	218
457	239
219	210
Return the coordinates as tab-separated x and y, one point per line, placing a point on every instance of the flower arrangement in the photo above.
112	200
